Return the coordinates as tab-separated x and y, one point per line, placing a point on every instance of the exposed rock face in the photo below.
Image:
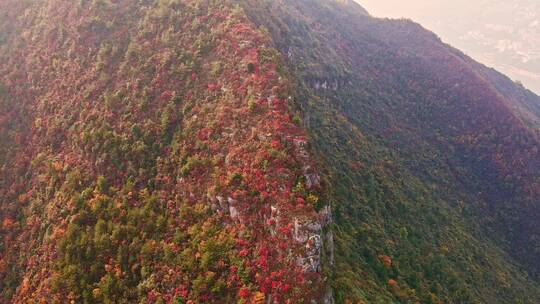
307	229
325	218
229	206
329	296
329	245
235	215
327	84
325	215
309	233
316	240
313	180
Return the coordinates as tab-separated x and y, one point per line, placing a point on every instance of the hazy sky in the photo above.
504	34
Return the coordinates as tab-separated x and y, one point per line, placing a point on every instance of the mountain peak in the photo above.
184	151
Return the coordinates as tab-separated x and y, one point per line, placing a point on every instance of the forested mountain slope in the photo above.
433	158
148	156
184	151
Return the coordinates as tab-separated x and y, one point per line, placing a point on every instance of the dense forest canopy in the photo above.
292	151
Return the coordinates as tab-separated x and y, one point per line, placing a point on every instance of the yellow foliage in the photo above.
312	199
258	298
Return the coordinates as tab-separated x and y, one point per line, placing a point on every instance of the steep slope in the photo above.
432	158
523	101
169	151
148	156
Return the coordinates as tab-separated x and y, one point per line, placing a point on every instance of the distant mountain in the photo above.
262	151
501	34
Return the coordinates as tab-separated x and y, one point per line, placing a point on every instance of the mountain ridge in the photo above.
373	30
181	151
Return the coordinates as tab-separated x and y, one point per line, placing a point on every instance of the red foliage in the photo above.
212	87
244	293
117	133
